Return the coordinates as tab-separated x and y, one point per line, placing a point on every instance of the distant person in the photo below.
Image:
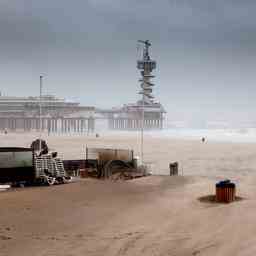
5	131
97	135
203	139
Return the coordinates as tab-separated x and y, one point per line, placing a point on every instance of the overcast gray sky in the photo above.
205	51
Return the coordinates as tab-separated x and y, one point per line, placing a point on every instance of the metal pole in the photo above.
142	132
40	115
88	126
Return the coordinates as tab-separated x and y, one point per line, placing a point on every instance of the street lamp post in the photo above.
40	114
142	131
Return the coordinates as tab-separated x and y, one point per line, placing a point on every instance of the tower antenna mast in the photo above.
146	65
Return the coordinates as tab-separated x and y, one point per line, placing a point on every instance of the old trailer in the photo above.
21	165
107	161
16	165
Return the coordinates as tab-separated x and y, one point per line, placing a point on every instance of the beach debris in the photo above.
4	187
35	145
83	173
225	191
50	169
174	168
126	175
73	167
54	154
114	164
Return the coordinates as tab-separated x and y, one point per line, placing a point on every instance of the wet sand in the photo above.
156	215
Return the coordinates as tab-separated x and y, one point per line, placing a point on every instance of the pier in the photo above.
21	114
58	116
50	125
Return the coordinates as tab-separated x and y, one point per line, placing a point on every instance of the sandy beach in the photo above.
156	215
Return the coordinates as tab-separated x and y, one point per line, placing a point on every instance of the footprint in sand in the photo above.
129	244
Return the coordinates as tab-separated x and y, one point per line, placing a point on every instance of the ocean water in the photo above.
247	135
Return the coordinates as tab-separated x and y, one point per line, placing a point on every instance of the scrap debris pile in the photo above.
114	164
49	169
37	166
